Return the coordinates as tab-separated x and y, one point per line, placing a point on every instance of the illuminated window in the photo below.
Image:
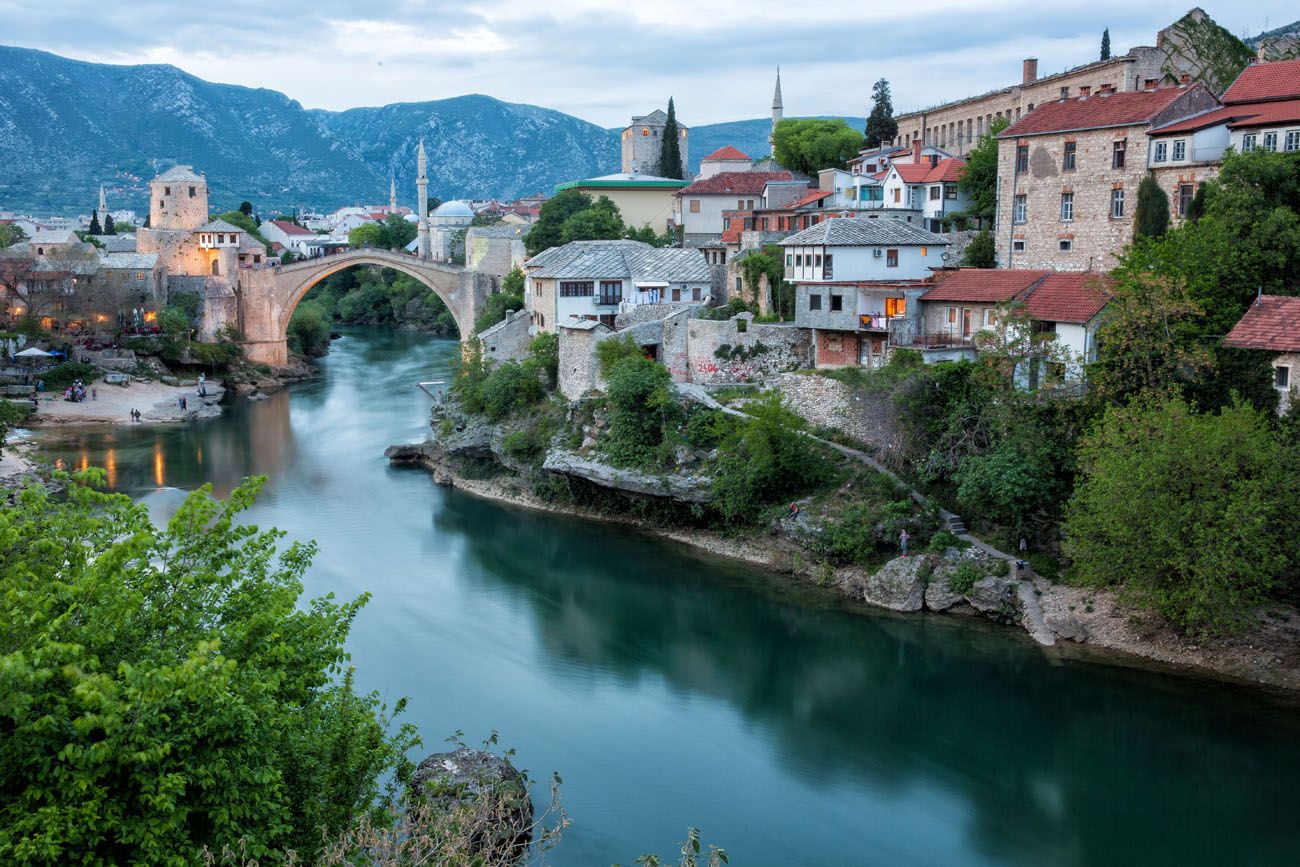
645	132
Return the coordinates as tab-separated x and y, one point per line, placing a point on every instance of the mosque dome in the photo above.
453	210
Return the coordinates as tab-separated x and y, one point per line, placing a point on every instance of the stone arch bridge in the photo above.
268	296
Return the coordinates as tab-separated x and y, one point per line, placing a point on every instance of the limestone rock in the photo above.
407	453
490	787
897	585
994	595
686	488
1067	626
939	595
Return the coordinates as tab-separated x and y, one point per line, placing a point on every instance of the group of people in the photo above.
135	415
77	392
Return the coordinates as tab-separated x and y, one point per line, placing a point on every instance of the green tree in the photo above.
246	208
980	181
309	329
1105	44
640	399
373	235
670	148
811	145
548	229
10	235
95	228
242	221
109	227
1188	513
600	222
881	126
981	252
498	304
1151	218
401	231
162	689
1006	485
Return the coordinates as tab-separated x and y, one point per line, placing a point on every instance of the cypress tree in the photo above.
1105	44
881	126
1196	207
1151	219
670	149
109	227
95	228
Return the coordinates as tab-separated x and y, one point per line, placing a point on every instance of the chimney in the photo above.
1185	79
1151	84
1030	70
934	160
1084	90
916	151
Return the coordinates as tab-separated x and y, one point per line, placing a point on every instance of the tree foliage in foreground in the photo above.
162	690
1189	513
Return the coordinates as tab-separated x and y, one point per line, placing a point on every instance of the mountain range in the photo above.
67	126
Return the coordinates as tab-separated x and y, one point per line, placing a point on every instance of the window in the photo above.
814	302
739	285
1185	194
167	191
897	195
1270	141
1020	209
577	289
1180	149
677	293
1018	245
191	192
1248	142
952	315
645	133
895	307
611	291
139	276
1065	93
1282	377
695	206
1067	207
1065	245
891	258
817	260
950	192
837	303
828	272
1117	203
1292	140
695	293
1022	158
1117	154
789	260
936	193
1162	151
798	260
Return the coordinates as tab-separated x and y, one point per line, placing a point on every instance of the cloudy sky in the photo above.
603	60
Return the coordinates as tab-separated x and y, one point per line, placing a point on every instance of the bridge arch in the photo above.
271	295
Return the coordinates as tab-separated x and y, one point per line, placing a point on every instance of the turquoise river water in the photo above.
670	689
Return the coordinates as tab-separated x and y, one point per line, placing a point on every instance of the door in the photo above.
965	323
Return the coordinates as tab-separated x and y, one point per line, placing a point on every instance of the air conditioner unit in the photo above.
877	252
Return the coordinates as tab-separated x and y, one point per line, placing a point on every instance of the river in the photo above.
670	689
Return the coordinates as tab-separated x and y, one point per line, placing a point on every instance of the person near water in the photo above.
902	542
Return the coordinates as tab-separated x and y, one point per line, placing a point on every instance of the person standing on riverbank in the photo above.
902	542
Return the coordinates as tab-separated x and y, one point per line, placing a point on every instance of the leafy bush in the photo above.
509	387
1006	485
707	428
544	357
1000	568
67	373
942	541
728	310
641	406
498	304
309	329
865	533
191	702
611	351
964	577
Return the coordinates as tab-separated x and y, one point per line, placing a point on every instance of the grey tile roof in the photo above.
218	226
849	232
497	230
180	173
620	260
118	243
128	261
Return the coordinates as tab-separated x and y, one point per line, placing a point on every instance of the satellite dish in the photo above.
945	256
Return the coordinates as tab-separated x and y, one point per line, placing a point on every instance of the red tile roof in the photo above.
1095	112
291	228
814	196
984	285
1272	322
1269	114
950	170
1265	81
742	183
1206	119
1069	297
727	153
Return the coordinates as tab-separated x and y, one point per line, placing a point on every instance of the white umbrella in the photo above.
33	353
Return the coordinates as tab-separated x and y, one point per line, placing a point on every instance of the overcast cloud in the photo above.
603	62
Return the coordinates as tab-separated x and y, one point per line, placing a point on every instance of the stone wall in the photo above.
829	403
651	313
719	352
509	338
493	252
579	373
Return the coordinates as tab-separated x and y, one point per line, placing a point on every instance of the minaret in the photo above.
392	194
103	205
778	110
422	203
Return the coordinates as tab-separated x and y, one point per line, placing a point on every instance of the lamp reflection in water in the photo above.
158	475
110	468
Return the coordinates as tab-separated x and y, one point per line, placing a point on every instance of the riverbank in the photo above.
1067	621
157	402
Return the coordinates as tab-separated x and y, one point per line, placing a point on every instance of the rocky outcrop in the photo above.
487	795
899	585
685	488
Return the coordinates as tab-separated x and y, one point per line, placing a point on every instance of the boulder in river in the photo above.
898	585
484	798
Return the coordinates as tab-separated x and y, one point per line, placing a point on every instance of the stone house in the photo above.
596	280
642	139
700	205
1068	175
956	126
854	280
497	249
1272	324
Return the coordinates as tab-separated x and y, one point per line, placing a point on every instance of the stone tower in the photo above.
778	112
422	203
643	139
102	211
178	200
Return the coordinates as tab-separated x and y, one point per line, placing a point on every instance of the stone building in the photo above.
957	125
1068	175
642	139
495	250
1272	324
642	199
